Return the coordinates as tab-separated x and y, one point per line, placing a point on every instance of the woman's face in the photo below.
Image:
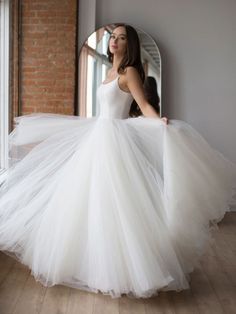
118	41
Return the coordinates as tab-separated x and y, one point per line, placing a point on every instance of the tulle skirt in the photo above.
120	206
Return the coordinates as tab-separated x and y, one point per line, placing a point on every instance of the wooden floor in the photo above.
213	288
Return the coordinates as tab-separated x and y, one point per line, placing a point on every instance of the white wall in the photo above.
197	40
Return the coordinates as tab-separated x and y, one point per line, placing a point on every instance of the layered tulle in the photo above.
111	205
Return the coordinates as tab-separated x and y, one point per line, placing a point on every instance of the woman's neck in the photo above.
116	62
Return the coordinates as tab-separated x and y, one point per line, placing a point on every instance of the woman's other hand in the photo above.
165	120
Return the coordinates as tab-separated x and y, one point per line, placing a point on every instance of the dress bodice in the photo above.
112	101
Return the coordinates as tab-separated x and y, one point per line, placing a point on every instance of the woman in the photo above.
111	204
124	53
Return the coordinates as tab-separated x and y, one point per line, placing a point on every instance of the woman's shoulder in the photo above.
131	69
130	72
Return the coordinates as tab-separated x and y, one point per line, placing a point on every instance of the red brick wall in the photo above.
48	56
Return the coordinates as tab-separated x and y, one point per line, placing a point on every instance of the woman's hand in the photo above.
165	120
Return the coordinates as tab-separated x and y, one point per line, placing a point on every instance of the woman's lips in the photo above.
114	46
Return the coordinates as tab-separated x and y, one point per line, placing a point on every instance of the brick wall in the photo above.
47	60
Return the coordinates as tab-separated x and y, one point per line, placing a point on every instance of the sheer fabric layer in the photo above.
111	205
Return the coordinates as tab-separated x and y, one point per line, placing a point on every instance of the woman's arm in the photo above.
135	86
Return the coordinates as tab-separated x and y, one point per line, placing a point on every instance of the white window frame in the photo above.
4	83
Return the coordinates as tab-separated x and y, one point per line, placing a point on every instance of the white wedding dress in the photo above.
110	203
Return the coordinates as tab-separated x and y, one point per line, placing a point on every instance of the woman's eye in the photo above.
119	37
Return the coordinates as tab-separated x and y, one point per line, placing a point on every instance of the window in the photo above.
4	83
93	68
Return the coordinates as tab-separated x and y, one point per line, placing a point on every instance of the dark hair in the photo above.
150	91
133	54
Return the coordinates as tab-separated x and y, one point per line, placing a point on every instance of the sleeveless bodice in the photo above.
112	101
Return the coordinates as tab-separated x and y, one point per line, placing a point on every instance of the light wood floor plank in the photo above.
131	306
6	265
220	283
230	272
160	304
56	300
224	253
80	302
104	304
12	288
203	293
184	302
31	299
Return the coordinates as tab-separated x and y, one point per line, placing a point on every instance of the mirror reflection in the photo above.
94	64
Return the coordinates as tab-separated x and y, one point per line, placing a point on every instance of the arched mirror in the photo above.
93	66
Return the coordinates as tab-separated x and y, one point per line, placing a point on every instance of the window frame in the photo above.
4	83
